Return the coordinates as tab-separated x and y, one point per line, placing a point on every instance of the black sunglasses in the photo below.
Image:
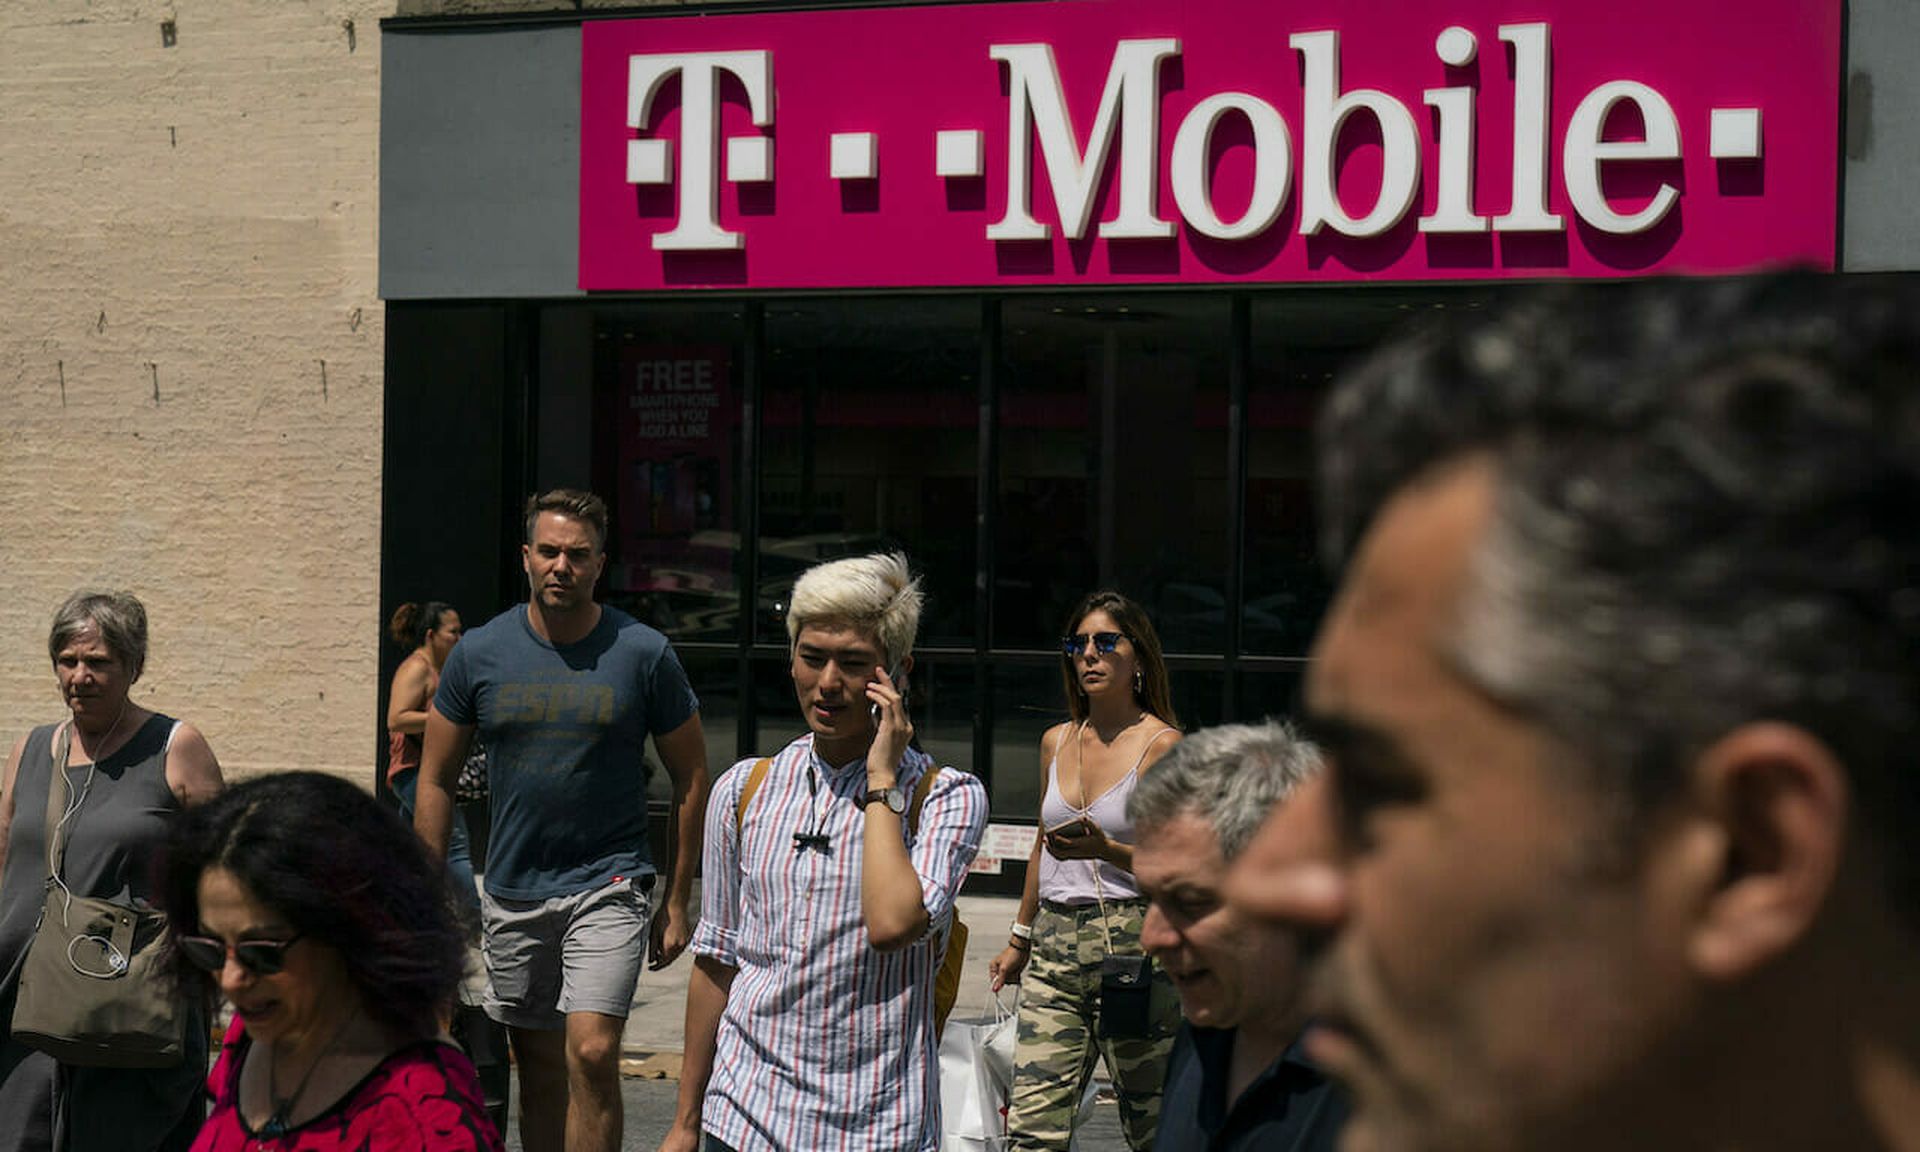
260	957
1103	642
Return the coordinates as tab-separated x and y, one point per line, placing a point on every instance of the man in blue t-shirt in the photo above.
565	692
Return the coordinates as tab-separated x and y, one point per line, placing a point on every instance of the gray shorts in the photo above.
578	953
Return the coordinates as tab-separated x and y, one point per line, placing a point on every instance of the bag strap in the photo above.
919	800
756	776
958	933
62	744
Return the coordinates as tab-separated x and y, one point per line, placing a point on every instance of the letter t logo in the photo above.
697	219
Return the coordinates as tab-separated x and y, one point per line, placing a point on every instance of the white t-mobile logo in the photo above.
749	158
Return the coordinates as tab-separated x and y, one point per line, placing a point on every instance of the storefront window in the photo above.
716	682
666	444
1027	700
1113	464
1269	688
941	702
869	441
1110	414
776	709
1199	696
1301	342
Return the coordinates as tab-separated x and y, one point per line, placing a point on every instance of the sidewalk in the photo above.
654	1037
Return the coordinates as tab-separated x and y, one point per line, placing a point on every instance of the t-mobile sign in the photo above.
1217	141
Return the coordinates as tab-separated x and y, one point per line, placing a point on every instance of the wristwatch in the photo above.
894	798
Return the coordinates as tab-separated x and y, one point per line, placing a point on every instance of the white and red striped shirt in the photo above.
825	1043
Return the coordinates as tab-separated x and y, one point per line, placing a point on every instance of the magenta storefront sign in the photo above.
1218	141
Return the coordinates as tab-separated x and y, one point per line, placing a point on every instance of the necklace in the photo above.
277	1126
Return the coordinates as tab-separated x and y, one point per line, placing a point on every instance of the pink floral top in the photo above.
425	1097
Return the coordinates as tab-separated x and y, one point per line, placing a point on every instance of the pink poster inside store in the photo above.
674	419
1117	142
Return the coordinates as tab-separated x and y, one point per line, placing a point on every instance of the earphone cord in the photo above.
816	837
57	845
59	831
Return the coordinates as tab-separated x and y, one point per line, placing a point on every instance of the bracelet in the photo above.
1017	942
1024	931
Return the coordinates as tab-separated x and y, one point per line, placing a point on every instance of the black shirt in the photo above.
1289	1107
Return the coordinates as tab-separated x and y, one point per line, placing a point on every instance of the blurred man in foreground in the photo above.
1621	701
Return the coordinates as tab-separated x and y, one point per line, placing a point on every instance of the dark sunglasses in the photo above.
260	957
1103	642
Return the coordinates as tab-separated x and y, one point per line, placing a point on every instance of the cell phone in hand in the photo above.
898	675
1072	829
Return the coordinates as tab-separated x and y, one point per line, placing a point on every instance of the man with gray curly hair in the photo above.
831	870
1237	1078
1621	698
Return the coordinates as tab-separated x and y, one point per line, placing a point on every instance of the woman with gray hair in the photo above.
127	770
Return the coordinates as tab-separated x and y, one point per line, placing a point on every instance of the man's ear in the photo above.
1779	797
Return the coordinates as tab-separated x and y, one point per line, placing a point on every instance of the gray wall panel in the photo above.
479	163
1880	230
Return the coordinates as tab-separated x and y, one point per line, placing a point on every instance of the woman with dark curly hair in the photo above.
1081	904
316	912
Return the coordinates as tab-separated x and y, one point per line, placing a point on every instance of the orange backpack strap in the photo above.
946	979
756	776
919	800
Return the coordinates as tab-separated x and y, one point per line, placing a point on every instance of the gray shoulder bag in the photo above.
93	990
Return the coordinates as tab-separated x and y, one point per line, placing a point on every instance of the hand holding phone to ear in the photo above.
897	676
893	729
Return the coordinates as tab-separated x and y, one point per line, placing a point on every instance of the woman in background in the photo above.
430	630
316	911
1081	903
128	770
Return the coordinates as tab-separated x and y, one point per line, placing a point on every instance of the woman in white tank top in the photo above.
1081	903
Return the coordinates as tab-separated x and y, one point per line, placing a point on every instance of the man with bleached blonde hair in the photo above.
830	875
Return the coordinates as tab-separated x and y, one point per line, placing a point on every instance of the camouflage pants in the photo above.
1059	1031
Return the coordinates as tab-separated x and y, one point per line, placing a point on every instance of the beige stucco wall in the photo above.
190	359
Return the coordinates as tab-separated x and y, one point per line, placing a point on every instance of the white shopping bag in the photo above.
976	1075
976	1081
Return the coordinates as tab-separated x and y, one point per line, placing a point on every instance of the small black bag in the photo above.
1126	996
471	785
